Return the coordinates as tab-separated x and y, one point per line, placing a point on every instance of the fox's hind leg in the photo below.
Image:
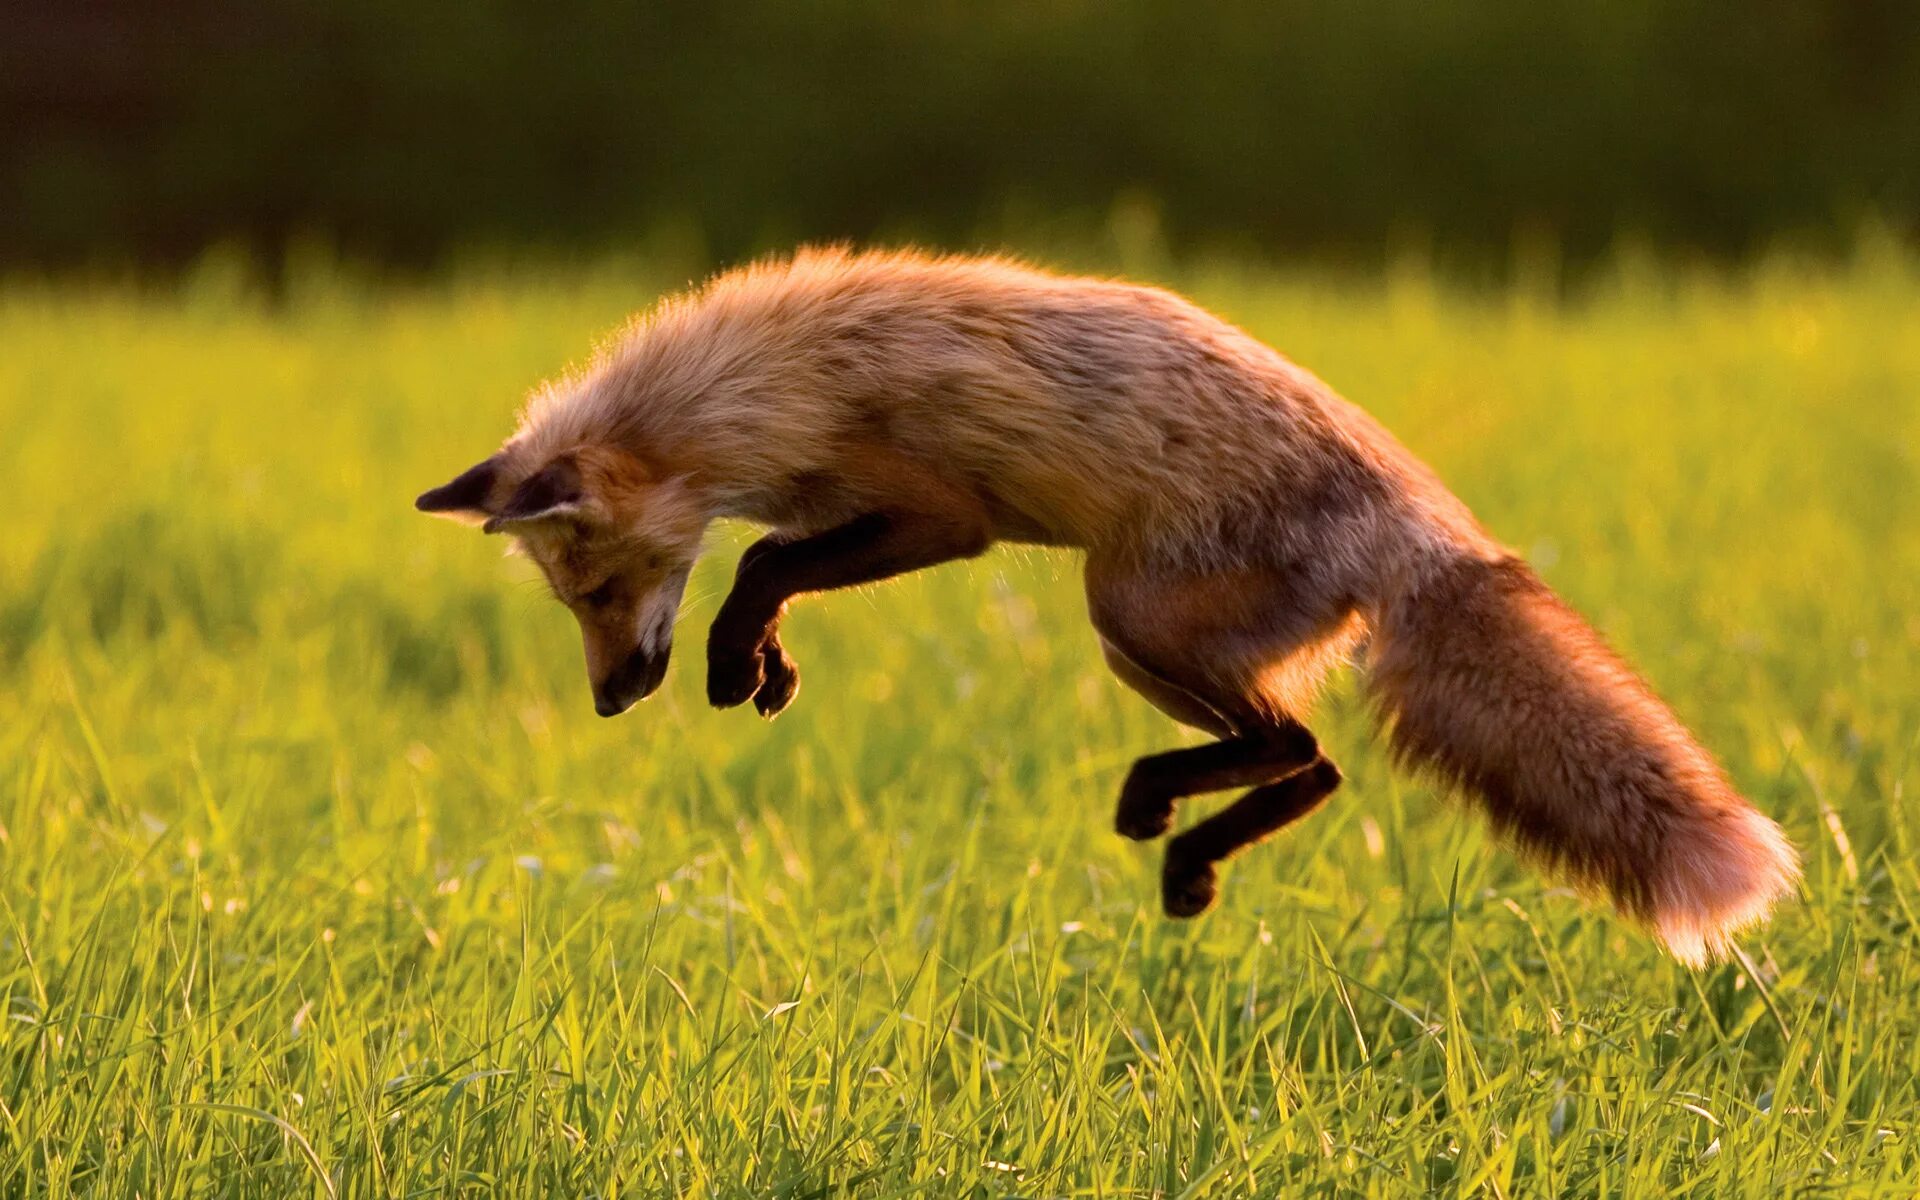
1248	753
1188	880
1235	653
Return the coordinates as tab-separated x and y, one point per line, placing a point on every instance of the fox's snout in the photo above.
627	651
637	677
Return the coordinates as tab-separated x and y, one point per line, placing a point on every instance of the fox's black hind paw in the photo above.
1145	811
1188	886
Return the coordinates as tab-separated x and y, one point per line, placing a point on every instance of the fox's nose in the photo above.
633	681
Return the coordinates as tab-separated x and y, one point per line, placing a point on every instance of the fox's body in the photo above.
1069	412
1244	528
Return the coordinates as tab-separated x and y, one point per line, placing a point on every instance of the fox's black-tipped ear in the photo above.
553	491
466	496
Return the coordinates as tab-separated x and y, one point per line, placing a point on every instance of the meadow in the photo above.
319	877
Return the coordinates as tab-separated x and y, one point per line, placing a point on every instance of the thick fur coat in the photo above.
1245	530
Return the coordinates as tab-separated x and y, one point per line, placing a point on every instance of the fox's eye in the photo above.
599	597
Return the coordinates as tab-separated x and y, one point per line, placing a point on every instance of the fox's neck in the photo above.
735	467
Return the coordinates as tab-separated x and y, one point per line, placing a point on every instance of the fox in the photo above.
1245	531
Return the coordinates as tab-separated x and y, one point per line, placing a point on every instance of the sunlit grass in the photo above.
319	876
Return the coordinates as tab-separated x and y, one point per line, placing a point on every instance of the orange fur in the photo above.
1488	679
1246	529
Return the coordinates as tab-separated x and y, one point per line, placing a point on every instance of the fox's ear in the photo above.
554	491
465	498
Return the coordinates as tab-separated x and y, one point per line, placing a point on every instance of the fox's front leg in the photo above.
744	657
779	674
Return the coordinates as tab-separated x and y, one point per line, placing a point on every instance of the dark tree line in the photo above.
144	129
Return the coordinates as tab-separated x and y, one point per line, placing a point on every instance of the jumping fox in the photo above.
1245	531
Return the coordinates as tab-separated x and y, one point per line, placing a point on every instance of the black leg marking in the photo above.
744	657
1158	780
1188	880
780	679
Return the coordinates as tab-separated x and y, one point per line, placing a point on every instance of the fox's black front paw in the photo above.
1188	885
735	673
780	679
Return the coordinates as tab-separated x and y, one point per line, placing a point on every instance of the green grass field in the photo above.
319	877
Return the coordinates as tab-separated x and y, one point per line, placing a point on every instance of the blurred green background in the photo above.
135	131
319	878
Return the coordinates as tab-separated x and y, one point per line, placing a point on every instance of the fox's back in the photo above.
1083	410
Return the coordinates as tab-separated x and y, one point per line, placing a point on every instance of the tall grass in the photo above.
319	877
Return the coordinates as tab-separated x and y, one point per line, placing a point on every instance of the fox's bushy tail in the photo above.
1488	680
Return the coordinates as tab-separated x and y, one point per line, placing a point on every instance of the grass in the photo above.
318	877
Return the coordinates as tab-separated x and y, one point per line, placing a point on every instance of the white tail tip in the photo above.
1719	879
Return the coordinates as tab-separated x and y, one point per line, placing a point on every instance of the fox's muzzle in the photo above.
631	682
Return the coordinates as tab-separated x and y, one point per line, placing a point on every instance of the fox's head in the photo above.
615	539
